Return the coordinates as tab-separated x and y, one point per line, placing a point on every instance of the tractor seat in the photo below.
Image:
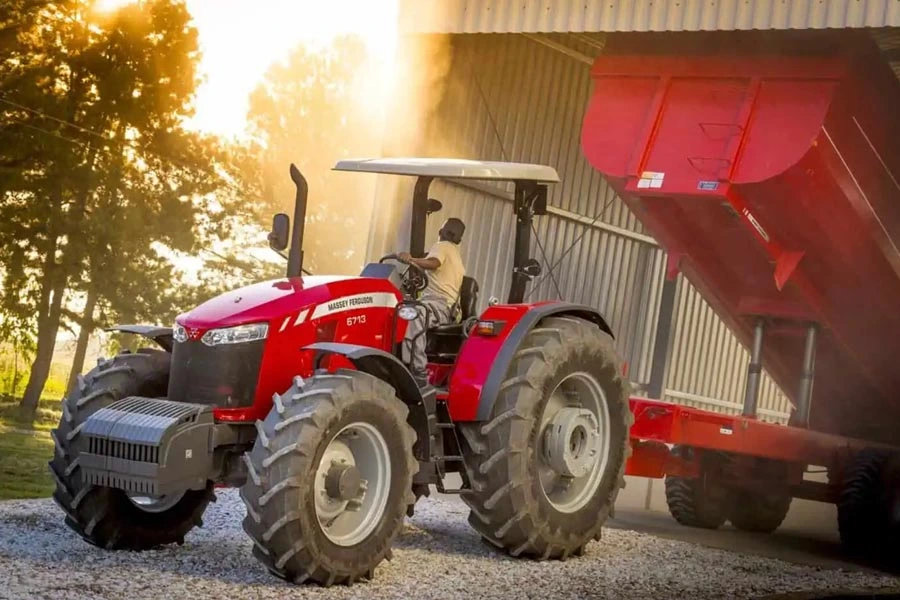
468	306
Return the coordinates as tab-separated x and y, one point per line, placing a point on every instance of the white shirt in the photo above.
445	281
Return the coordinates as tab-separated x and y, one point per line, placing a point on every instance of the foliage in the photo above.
97	174
312	110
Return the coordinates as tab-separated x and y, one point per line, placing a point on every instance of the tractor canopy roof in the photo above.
451	168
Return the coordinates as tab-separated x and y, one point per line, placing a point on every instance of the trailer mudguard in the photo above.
389	368
161	335
484	361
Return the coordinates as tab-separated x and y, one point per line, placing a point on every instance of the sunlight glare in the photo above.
108	6
240	39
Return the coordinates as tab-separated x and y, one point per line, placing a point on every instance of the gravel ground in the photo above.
437	556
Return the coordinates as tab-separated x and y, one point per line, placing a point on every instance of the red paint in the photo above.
658	422
476	358
780	199
279	303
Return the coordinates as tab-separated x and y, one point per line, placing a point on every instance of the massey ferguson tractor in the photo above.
294	391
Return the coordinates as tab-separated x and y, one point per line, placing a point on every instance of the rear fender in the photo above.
161	335
388	367
484	361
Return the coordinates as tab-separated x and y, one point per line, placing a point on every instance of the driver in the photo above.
445	270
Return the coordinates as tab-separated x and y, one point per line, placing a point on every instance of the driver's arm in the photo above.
429	263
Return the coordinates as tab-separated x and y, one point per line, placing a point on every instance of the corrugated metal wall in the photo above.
509	98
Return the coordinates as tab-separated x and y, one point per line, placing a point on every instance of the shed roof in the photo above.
570	16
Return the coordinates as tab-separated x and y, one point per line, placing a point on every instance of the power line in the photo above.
51	133
52	118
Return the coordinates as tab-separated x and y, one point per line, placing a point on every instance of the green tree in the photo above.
313	109
97	170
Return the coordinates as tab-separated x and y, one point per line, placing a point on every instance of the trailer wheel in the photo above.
108	517
757	512
545	470
329	478
869	506
696	502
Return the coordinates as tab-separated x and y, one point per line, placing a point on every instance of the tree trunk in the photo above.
84	336
43	357
49	321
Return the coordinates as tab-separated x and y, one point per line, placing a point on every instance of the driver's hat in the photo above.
452	230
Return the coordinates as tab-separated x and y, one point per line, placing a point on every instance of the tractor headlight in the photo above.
179	333
408	313
236	335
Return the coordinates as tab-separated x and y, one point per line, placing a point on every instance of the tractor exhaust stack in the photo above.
295	255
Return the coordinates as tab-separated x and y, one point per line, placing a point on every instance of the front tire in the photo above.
109	517
545	470
330	478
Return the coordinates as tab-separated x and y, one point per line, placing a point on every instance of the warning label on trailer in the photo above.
651	179
375	300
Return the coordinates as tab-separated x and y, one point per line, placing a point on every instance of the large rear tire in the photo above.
546	468
109	517
692	501
330	478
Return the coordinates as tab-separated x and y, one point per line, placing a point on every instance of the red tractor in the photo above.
292	390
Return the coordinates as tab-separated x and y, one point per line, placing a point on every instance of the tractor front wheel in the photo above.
108	517
329	478
545	470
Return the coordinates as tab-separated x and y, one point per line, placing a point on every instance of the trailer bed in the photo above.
773	182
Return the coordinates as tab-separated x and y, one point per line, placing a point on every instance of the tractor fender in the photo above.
389	368
491	388
161	335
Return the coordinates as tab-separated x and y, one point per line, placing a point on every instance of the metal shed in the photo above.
515	88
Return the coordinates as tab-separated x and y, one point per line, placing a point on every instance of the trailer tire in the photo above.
296	490
108	517
868	505
756	512
689	501
506	456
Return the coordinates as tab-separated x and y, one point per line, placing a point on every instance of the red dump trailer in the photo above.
773	183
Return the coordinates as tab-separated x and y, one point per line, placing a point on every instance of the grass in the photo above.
25	449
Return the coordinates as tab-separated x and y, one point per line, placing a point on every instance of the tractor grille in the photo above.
123	450
223	376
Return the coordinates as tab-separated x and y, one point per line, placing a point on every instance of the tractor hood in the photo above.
259	302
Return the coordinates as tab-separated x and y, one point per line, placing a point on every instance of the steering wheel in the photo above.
413	278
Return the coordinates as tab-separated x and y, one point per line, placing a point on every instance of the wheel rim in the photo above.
352	484
155	504
574	442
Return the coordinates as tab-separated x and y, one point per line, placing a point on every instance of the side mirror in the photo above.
279	236
532	268
433	206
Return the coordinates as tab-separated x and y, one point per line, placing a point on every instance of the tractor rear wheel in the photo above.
108	517
696	502
545	470
330	478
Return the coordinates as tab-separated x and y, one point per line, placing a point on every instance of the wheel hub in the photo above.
352	484
572	442
343	482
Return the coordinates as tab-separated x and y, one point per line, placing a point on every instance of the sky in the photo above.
240	39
